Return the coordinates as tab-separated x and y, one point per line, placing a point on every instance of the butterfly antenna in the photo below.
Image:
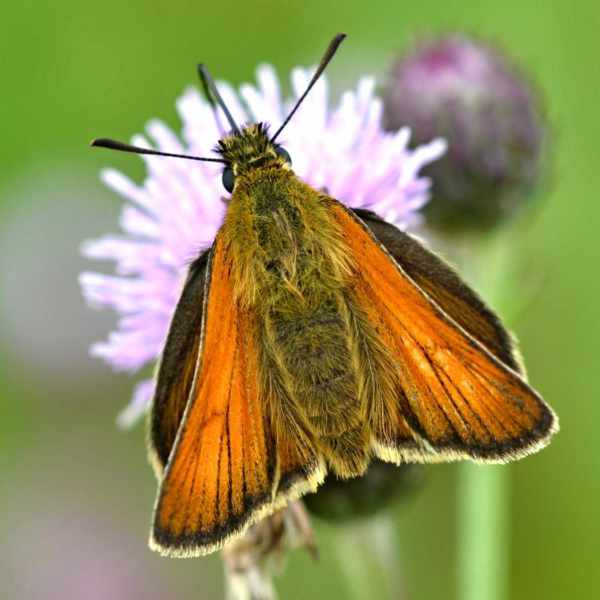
329	54
212	93
211	101
121	147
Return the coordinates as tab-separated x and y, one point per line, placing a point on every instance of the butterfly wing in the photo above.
232	461
175	373
458	396
445	287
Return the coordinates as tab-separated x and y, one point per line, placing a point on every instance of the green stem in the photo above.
483	491
483	532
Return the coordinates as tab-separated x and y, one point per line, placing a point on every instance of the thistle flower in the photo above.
469	93
176	212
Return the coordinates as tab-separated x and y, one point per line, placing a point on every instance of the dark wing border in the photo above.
178	358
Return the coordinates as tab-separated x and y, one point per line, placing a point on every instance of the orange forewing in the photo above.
459	398
220	472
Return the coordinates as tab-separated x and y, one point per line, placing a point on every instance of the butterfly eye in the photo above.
228	179
284	154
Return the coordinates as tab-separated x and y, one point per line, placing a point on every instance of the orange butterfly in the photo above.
310	338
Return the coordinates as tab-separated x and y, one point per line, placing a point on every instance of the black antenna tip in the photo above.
212	94
333	46
106	143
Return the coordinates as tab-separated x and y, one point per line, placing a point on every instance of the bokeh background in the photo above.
76	493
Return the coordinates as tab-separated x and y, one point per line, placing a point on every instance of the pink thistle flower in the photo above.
176	212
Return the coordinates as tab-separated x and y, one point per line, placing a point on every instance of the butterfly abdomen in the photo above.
313	346
292	271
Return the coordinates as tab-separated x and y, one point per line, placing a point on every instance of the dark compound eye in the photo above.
284	154
228	179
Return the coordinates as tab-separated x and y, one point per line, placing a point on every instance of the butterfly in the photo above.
310	338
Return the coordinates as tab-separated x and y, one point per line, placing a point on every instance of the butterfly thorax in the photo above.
291	273
250	149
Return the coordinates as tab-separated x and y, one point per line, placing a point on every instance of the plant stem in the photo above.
483	491
483	532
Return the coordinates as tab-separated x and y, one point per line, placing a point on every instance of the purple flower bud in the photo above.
468	92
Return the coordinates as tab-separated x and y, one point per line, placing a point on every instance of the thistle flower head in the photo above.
469	93
176	211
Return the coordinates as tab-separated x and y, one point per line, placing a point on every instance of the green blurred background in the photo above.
76	492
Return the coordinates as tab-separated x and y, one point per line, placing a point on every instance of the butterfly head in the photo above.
248	149
245	149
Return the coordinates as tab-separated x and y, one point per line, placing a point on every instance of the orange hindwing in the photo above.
460	400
